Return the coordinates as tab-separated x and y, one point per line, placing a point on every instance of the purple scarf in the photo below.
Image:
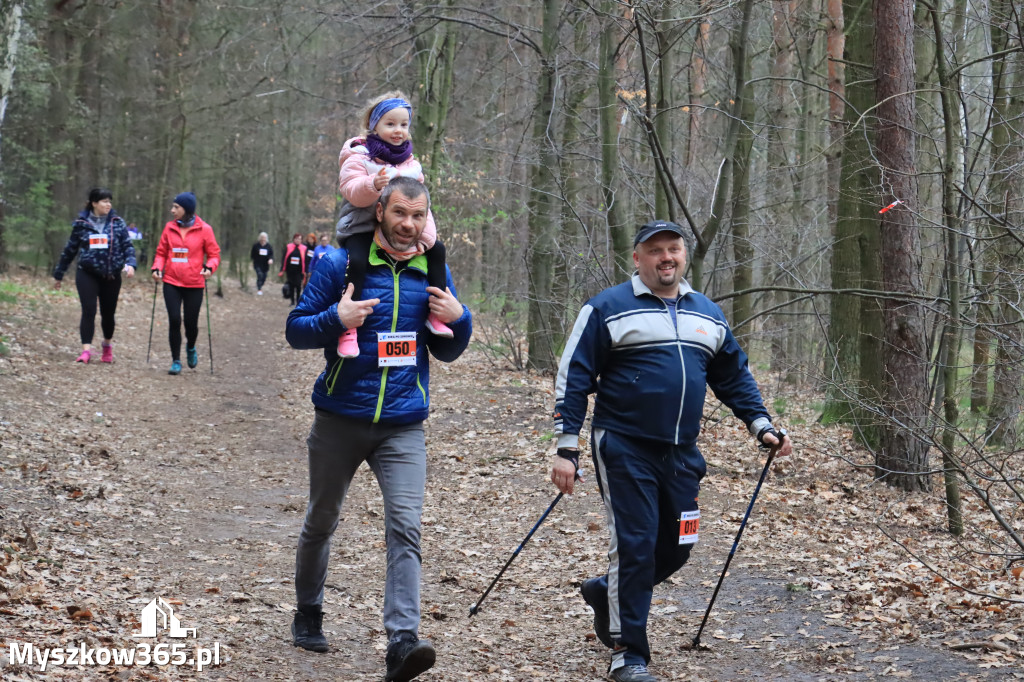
387	152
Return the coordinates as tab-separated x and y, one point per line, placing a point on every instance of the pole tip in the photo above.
472	610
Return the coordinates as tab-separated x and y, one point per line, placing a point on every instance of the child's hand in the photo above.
381	179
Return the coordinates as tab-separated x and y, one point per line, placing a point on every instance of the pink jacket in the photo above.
180	255
355	180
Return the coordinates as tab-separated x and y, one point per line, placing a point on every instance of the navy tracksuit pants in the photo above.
646	486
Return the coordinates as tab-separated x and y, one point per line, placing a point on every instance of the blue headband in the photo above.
384	107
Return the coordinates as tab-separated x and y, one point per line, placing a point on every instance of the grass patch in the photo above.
12	292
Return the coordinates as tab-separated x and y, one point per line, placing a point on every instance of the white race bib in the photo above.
263	252
294	260
396	349
98	241
179	254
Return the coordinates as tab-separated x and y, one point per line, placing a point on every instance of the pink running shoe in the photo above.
348	346
438	327
85	357
108	353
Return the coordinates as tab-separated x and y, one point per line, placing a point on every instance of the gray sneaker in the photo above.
633	673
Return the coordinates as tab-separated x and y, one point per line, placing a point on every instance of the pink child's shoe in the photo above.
108	353
84	357
438	327
348	346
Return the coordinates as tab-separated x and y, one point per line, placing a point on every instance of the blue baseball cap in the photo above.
652	228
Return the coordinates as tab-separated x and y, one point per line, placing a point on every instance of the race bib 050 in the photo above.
396	349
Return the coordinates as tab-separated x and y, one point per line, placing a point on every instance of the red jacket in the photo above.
289	250
181	254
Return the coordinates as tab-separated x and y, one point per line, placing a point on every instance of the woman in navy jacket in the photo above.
99	237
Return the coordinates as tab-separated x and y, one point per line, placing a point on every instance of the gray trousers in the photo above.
398	457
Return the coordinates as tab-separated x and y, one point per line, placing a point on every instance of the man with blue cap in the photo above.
648	348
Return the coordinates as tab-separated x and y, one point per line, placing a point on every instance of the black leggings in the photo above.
174	296
295	278
358	246
90	288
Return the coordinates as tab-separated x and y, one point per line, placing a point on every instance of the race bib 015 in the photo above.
396	349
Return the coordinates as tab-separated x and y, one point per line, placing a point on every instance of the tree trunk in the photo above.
618	230
698	79
952	168
904	453
841	360
10	34
541	333
664	37
783	159
742	248
739	46
1005	188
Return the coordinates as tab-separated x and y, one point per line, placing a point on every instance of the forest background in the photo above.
777	132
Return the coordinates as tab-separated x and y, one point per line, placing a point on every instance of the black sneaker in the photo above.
407	658
633	673
307	629
599	602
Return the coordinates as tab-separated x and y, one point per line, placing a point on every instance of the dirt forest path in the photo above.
119	484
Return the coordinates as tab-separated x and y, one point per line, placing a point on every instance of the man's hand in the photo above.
777	447
56	284
444	305
563	474
353	313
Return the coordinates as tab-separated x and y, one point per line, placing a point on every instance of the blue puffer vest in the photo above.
358	387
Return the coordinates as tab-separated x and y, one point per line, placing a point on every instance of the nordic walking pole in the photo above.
476	607
209	334
152	315
739	534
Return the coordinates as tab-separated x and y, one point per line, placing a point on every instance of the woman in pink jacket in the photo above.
186	255
367	165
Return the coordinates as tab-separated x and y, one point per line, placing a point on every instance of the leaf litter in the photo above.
121	484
